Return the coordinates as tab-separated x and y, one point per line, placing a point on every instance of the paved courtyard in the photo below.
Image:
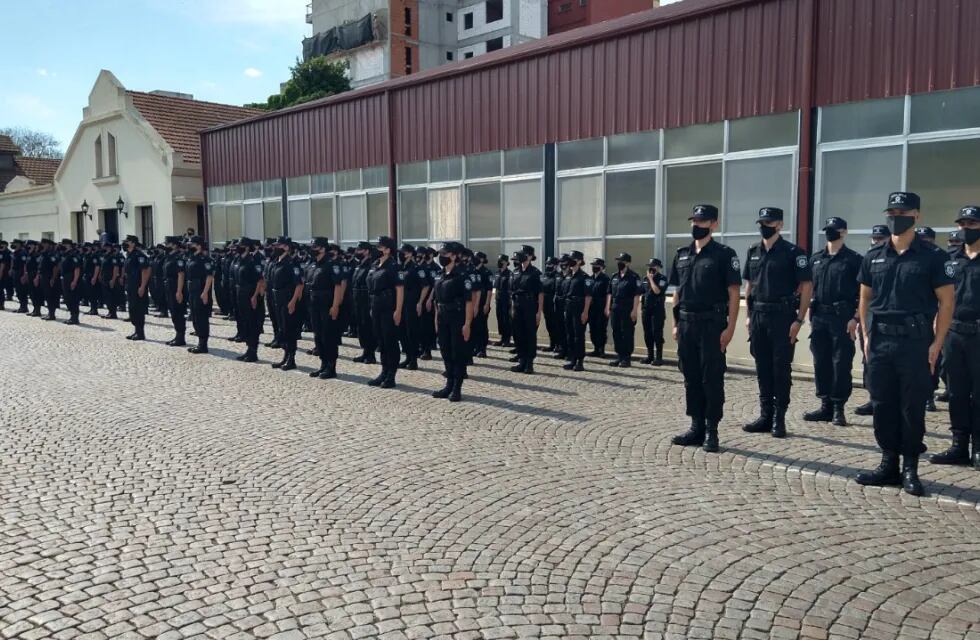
149	493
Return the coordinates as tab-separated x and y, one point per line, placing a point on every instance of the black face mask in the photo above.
444	261
900	224
621	266
767	232
242	250
970	235
832	234
501	265
596	269
278	252
700	233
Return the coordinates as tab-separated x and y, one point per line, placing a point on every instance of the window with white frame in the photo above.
347	206
927	143
253	209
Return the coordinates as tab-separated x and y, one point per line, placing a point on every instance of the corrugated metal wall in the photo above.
698	61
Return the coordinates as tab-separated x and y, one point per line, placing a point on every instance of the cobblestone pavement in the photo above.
150	493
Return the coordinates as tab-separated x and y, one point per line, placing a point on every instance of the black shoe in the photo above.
376	382
647	360
92	312
519	367
426	356
71	321
316	374
177	342
615	363
250	357
931	408
456	394
329	372
957	453
445	391
839	419
389	381
693	437
481	354
975	459
568	366
528	369
823	414
910	476
779	424
943	397
242	357
762	424
273	345
312	352
290	362
131	336
370	359
866	409
559	355
659	357
411	366
198	349
625	363
513	351
711	438
579	366
886	474
49	317
278	365
514	359
138	337
360	359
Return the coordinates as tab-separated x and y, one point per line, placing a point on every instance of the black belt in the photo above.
383	294
450	306
700	316
965	327
840	308
771	307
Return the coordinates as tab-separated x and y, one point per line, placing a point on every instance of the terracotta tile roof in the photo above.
7	145
180	120
38	170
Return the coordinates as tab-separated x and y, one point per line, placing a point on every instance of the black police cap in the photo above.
451	247
67	241
479	255
132	239
770	214
502	256
835	223
387	241
598	262
880	231
320	242
971	212
903	201
704	212
172	239
528	250
578	256
364	244
195	240
624	257
926	232
655	262
955	237
407	248
552	261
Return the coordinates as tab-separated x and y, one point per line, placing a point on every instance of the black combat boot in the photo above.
519	367
290	362
648	359
823	414
866	409
779	423
528	368
456	394
446	390
568	366
178	341
202	346
389	380
330	371
559	354
659	358
279	365
515	359
693	437
317	372
839	419
943	397
762	424
426	355
272	344
886	474
50	316
252	354
958	452
579	365
711	437
376	382
910	476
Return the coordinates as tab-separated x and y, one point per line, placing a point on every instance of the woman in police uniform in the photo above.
453	299
385	283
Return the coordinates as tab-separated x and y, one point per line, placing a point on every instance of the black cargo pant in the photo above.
178	310
72	297
552	320
408	330
454	350
249	320
51	294
480	336
524	326
200	310
383	328
598	325
109	297
653	320
271	308
36	294
502	308
623	329
427	328
900	383
365	328
773	353
833	356
962	355
702	362
287	324
574	329
137	307
326	331
22	296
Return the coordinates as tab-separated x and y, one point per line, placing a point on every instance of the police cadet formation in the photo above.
912	307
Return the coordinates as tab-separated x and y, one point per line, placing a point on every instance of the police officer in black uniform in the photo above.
136	271
706	281
778	279
285	281
47	277
962	348
653	295
501	296
71	276
834	322
427	323
598	320
879	235
19	274
452	295
549	286
110	273
576	296
200	284
527	302
158	293
272	259
386	286
364	254
906	308
90	278
248	282
174	271
622	307
481	309
326	286
415	284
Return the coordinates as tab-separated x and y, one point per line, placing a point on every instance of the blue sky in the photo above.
232	51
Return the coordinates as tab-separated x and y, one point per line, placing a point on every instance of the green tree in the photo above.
310	80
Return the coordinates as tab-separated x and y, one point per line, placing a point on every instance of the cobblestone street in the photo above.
150	493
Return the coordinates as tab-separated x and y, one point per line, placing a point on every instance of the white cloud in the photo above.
252	72
42	72
30	105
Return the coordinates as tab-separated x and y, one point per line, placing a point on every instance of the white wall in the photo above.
32	212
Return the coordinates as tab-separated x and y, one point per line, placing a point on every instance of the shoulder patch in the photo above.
336	269
801	261
180	263
258	268
950	268
142	260
296	271
401	275
735	263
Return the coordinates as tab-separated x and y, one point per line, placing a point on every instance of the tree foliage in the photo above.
34	144
310	80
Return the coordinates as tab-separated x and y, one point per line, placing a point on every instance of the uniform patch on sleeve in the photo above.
401	275
801	262
258	268
296	271
735	263
142	260
951	269
468	284
336	269
180	263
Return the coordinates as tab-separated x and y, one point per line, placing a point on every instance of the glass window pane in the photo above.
323	183
272	189
634	147
353	218
234	215
945	110
446	170
526	160
483	165
673	244
591	249
490	247
483	207
696	140
216	194
233	192
764	132
511	247
272	218
855	184
641	250
377	214
348	180
444	214
413	173
413	214
298	186
945	175
867	119
321	215
375	177
300	228
523	212
630	200
755	183
253	191
687	186
254	227
579	206
741	244
580	153
219	223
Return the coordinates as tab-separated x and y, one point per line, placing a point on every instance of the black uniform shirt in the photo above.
501	282
384	277
835	276
49	259
526	282
19	263
966	272
6	258
624	288
359	279
453	288
199	267
576	286
109	262
136	261
69	262
324	275
600	288
173	265
484	283
702	279
249	271
413	279
777	273
89	262
549	283
285	274
653	300
905	284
